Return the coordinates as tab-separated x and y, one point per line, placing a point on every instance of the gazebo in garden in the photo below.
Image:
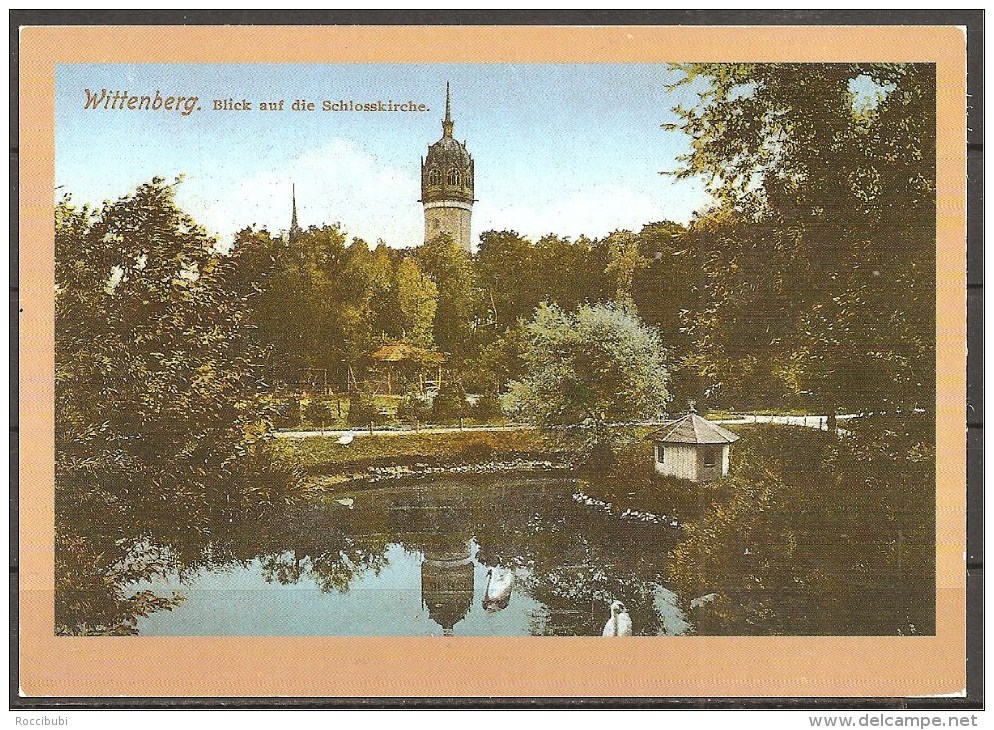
402	363
692	448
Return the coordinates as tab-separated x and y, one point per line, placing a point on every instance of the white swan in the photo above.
346	438
498	592
620	623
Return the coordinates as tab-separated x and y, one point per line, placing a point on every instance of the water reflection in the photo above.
497	595
447	583
476	557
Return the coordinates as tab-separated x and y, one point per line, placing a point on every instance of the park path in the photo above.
819	422
392	431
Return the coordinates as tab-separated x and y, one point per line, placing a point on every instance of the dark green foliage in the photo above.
288	413
414	409
818	534
819	262
326	303
451	269
320	412
487	408
450	404
159	401
362	410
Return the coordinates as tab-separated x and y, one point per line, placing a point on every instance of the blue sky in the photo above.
565	149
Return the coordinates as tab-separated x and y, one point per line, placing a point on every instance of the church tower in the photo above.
447	186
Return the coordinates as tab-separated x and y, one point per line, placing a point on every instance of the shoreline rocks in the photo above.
378	474
585	499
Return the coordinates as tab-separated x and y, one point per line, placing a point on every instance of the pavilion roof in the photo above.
404	351
692	429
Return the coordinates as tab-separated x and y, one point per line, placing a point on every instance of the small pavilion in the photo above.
402	363
692	448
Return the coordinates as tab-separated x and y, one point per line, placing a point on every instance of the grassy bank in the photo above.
335	463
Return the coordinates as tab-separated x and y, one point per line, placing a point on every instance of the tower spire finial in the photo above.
447	123
294	226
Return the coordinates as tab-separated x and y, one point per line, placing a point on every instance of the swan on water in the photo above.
498	592
346	438
620	623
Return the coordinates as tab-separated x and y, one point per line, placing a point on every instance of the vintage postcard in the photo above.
507	361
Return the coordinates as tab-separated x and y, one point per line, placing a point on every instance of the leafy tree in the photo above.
625	261
667	280
362	409
254	257
487	408
160	408
588	370
414	409
506	272
327	303
450	268
417	295
824	176
319	412
450	404
387	317
496	363
298	314
571	273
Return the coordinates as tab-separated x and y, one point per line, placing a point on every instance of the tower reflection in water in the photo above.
439	524
447	582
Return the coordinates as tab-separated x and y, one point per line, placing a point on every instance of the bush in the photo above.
287	413
487	408
413	409
449	404
362	411
319	412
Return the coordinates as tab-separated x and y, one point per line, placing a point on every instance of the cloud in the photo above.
339	181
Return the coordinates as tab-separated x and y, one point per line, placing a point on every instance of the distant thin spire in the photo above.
447	123
294	227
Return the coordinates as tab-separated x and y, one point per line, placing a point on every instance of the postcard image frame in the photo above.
374	666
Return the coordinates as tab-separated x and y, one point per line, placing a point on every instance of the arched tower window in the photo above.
454	177
434	178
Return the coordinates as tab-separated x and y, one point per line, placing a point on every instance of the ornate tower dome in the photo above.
447	185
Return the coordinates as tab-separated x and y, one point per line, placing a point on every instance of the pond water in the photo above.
487	556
